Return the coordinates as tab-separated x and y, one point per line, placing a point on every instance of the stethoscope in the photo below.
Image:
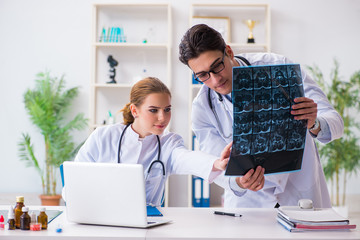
221	99
153	162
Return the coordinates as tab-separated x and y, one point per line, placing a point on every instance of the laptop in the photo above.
107	194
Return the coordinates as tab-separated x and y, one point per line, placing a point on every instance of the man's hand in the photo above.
220	164
305	108
252	180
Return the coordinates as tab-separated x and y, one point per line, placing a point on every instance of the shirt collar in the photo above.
135	136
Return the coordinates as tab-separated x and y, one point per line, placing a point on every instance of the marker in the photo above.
227	214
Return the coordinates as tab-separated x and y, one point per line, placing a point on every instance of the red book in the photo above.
325	227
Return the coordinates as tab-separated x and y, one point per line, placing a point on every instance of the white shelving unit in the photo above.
150	22
229	19
147	28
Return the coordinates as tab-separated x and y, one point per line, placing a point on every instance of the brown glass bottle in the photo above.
11	224
43	218
18	210
25	219
11	219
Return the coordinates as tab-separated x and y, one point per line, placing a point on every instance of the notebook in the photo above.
107	194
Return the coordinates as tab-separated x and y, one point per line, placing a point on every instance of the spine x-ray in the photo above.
264	131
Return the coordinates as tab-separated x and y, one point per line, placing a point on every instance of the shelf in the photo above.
249	47
150	22
138	21
236	29
132	45
196	86
111	85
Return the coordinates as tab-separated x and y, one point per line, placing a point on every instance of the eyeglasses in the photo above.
204	76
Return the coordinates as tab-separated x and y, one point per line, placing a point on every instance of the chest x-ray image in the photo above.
264	131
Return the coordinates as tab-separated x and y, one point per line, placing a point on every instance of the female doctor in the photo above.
142	139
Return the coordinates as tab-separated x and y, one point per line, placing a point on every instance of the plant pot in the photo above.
50	200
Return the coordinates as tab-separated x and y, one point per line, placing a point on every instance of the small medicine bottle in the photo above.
34	225
2	224
11	219
18	210
25	219
43	218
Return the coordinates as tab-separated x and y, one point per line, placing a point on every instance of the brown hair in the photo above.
198	39
139	92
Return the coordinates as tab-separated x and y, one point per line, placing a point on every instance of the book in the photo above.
264	131
293	227
295	219
317	216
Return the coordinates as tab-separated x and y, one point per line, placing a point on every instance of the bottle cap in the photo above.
42	209
1	218
20	199
11	213
25	209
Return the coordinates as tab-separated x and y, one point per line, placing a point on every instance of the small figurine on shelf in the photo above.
113	63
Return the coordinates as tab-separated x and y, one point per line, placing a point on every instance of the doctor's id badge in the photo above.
264	131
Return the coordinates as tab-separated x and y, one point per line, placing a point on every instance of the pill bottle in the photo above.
18	210
25	219
43	218
34	225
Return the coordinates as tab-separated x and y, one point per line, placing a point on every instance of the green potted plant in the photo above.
341	156
47	105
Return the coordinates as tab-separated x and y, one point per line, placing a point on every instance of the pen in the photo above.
227	214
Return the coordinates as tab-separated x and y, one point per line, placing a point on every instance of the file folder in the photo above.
205	194
200	187
197	191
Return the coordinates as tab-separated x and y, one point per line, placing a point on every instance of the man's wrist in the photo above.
316	125
235	188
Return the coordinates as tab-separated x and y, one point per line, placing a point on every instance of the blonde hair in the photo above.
139	92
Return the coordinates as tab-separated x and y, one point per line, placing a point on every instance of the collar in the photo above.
241	63
136	137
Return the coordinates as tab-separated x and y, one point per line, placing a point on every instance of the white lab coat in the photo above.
285	188
102	146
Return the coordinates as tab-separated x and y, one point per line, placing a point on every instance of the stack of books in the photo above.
295	219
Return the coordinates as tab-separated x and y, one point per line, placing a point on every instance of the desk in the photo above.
201	223
188	223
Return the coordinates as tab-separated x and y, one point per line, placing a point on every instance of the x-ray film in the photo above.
264	131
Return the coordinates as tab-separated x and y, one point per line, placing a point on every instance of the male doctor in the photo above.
204	51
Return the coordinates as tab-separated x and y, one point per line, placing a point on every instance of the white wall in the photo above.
55	35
